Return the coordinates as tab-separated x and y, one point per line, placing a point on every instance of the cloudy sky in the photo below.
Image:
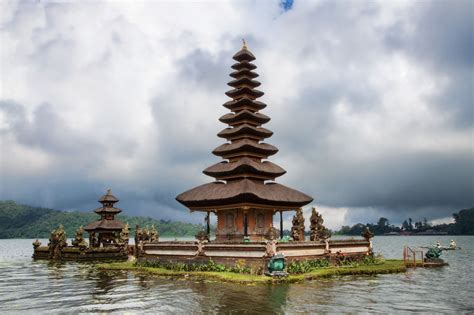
371	102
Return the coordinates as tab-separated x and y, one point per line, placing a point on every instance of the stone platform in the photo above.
253	254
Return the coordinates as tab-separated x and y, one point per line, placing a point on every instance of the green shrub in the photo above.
210	266
305	266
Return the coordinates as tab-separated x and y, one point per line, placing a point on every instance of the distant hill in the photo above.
22	221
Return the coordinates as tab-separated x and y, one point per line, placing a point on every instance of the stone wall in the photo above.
252	254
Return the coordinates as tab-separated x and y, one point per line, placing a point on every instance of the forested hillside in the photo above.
22	221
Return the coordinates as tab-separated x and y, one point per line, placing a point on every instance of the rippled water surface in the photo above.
28	286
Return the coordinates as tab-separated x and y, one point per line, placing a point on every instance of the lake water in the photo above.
28	286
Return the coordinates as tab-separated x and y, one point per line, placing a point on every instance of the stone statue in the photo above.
202	236
36	244
297	230
93	240
57	241
272	233
367	234
200	248
123	236
433	254
319	233
145	234
138	234
270	248
78	240
154	236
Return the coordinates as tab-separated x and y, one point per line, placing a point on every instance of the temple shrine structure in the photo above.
103	232
244	195
108	237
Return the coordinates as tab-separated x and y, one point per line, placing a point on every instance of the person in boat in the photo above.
438	244
453	244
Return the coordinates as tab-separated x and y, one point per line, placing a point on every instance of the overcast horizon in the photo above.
371	102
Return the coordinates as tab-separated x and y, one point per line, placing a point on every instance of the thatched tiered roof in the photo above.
243	178
107	215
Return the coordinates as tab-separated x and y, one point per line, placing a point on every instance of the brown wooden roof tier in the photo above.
244	72
243	64
112	225
243	117
244	91
108	197
107	210
243	191
245	147
245	165
244	81
243	55
245	131
244	103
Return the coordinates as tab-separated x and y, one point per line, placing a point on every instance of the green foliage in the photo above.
304	266
464	222
210	266
21	221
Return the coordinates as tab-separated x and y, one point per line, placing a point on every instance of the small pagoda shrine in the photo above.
104	231
108	238
244	196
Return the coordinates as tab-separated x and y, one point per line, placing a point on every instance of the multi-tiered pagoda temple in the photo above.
244	196
104	231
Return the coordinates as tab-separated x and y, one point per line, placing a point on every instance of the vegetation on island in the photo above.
317	269
463	225
22	221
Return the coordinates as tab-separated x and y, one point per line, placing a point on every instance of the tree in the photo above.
405	226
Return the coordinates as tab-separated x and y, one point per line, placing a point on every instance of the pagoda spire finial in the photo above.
244	44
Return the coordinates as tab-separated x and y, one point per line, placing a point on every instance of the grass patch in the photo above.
382	267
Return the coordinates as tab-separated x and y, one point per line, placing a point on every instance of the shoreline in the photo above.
386	267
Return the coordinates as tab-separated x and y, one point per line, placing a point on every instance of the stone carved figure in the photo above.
122	239
297	230
36	244
145	235
319	233
154	236
272	233
202	236
270	248
57	241
367	234
93	242
138	234
200	248
78	240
